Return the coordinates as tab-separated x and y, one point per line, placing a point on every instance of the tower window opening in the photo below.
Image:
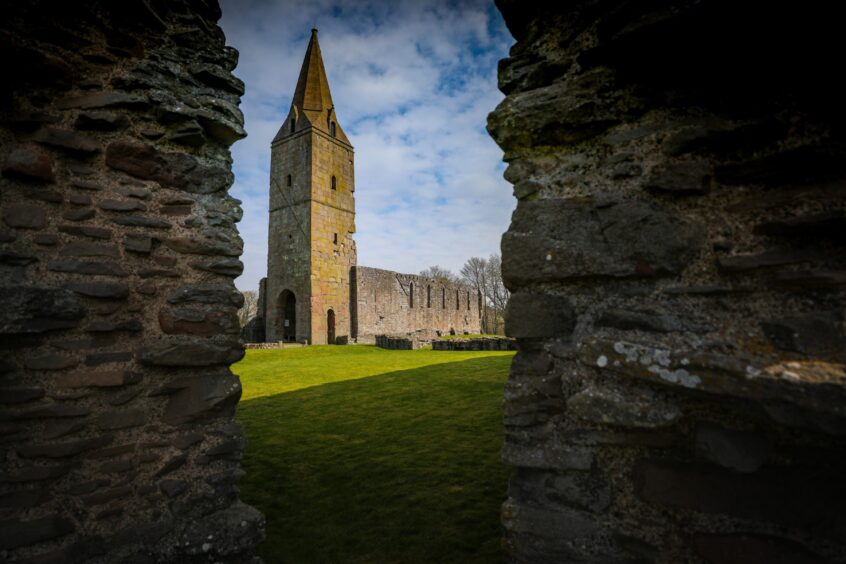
443	298
293	125
288	180
335	238
332	129
457	304
411	294
468	301
334	183
428	296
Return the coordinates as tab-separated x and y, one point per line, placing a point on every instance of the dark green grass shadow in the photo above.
400	467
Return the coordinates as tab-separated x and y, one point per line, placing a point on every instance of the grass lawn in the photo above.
359	454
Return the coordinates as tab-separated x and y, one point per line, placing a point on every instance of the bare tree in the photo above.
474	272
485	276
440	274
497	292
250	307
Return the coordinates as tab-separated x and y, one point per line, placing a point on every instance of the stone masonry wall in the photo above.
475	344
677	266
289	235
333	251
383	306
118	250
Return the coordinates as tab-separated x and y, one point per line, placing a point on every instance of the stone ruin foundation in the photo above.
475	344
677	266
118	250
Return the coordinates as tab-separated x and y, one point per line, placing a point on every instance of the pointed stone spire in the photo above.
312	91
312	104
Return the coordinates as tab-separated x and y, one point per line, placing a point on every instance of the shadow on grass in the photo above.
400	467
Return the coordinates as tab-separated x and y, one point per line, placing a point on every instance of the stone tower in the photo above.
312	216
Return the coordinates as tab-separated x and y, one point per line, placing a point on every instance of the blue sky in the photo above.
412	82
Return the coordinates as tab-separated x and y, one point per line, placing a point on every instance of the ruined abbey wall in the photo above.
390	303
677	265
118	250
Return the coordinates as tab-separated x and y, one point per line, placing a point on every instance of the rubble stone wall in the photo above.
390	303
397	343
677	266
476	344
118	250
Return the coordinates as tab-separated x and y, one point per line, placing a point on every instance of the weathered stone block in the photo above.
798	497
685	177
104	290
90	250
622	406
140	221
568	240
651	321
35	310
172	170
97	378
15	533
190	353
202	397
101	121
205	245
207	294
534	315
24	216
121	205
29	162
104	99
62	450
81	267
68	140
87	231
743	451
50	362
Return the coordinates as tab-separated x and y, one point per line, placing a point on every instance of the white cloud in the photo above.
412	83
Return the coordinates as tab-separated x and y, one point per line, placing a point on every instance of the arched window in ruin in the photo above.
443	298
411	294
330	327
428	296
288	180
334	183
332	129
334	238
479	303
457	302
286	320
293	125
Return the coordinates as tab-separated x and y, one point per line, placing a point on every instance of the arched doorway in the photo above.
330	327
286	328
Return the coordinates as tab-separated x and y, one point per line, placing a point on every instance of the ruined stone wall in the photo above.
677	266
397	343
383	306
118	250
476	344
